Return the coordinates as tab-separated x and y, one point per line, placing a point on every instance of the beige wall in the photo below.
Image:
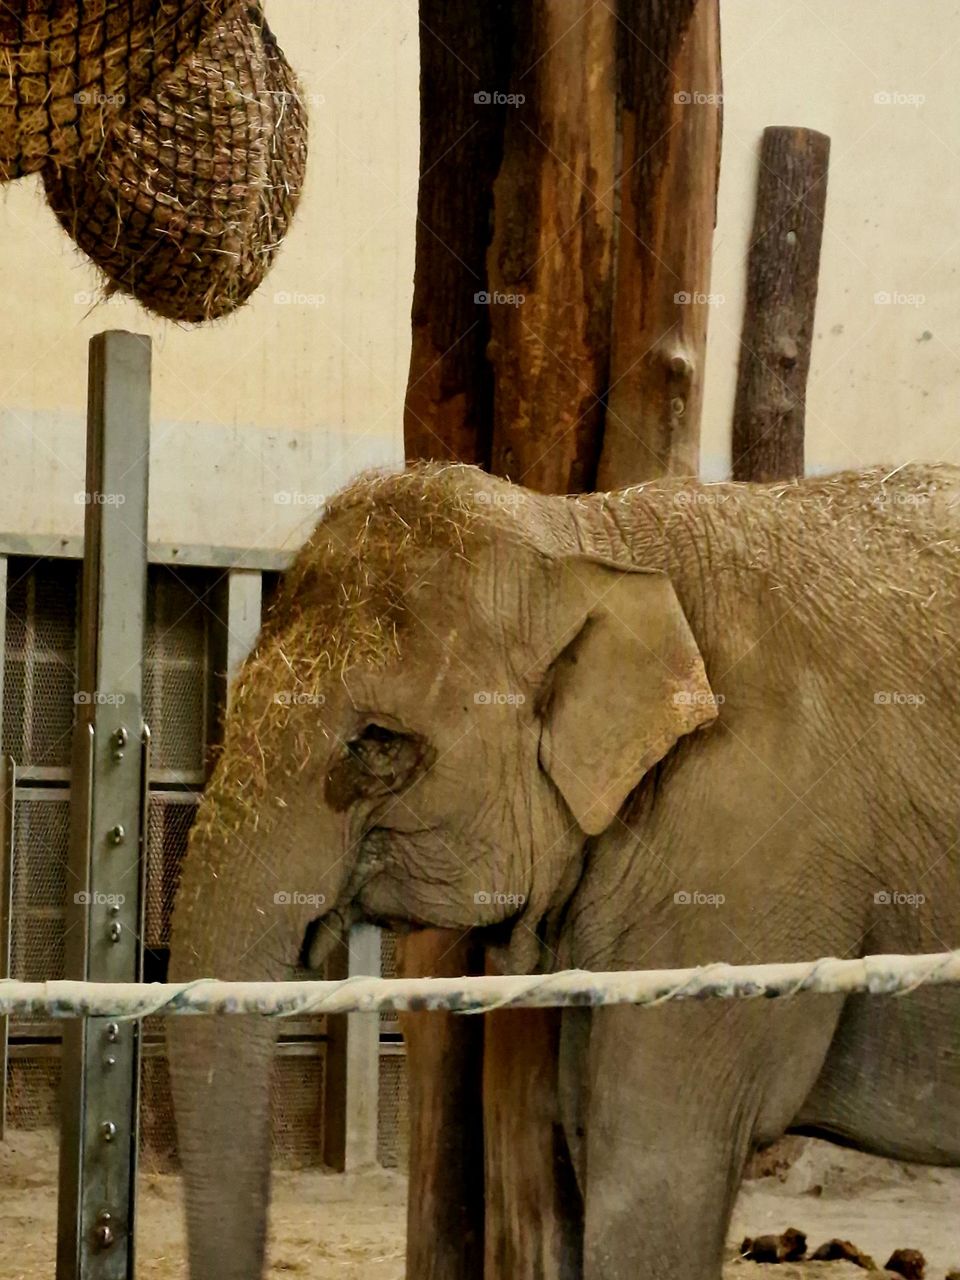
885	380
284	398
291	398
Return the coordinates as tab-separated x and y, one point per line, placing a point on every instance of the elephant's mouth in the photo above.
320	938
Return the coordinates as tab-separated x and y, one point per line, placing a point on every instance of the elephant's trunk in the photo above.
238	916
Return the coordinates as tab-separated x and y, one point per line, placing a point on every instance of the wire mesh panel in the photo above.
40	662
176	672
33	1087
393	1112
38	714
297	1098
388	969
393	1123
41	836
169	820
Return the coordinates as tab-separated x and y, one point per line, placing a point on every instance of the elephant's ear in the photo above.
627	682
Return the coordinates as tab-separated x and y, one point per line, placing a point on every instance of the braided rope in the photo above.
890	975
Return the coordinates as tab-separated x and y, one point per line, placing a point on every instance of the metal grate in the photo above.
33	1088
38	713
176	686
158	1137
388	969
169	820
40	852
393	1111
297	1102
298	1083
40	662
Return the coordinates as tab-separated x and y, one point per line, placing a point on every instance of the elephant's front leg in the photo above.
675	1099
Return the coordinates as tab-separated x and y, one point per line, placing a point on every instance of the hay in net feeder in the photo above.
193	187
65	66
170	134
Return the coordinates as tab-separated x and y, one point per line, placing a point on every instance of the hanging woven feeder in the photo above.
171	136
193	188
67	65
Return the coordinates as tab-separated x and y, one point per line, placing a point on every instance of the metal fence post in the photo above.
98	1149
237	605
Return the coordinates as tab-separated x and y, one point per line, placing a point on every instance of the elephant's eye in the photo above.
378	759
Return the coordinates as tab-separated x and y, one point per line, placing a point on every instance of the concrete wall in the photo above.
880	78
259	416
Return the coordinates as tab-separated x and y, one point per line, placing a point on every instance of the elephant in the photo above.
662	727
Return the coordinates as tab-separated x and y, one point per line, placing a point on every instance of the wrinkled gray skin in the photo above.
766	711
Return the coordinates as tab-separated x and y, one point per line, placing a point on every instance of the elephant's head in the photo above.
449	698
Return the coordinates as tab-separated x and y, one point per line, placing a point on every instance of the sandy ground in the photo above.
343	1228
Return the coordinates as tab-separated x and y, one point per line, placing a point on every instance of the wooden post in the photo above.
551	260
670	88
447	416
782	275
449	391
445	1208
535	360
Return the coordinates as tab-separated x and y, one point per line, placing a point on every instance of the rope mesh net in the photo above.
171	136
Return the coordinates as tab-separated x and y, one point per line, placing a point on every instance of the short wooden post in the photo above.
782	277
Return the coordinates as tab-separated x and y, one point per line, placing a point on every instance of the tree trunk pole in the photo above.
517	382
782	277
447	416
445	1217
551	259
463	52
670	92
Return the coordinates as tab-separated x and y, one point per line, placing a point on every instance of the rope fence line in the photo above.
889	975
